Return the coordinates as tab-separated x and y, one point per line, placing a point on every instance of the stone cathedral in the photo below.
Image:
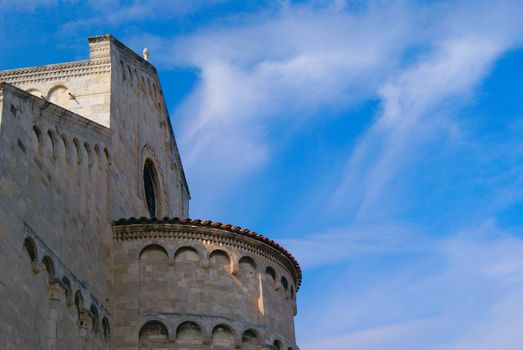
97	250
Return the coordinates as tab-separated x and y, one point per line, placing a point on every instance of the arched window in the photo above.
94	314
150	183
153	286
68	291
79	300
186	256
153	332
277	345
49	266
222	336
188	333
284	283
247	265
30	248
220	261
106	328
270	272
250	337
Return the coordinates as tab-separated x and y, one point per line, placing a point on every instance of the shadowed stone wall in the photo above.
74	140
188	285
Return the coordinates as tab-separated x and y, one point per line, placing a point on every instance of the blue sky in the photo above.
380	141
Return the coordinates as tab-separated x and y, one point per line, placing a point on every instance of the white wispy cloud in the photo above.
396	285
459	292
467	42
26	5
285	66
352	243
119	12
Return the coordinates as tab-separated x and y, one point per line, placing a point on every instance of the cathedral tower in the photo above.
97	249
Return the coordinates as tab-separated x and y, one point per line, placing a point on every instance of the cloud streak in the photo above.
278	67
459	292
460	55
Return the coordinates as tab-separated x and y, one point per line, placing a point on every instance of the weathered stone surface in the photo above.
74	139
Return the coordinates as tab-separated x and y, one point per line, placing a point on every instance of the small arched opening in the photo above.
152	334
96	320
188	333
151	187
30	249
222	335
250	337
106	330
49	267
220	261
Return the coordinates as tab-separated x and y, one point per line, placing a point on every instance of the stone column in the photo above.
55	294
85	325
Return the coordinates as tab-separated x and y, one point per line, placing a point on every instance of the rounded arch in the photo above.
107	156
189	333
122	68
78	151
51	142
149	89
35	92
93	310
89	153
186	254
270	272
68	291
247	264
284	283
59	95
151	187
38	139
220	260
223	335
130	75
250	336
30	249
155	249
97	154
142	84
277	345
65	145
153	332
49	267
106	330
79	300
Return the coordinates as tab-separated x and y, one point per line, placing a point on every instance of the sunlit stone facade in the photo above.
83	145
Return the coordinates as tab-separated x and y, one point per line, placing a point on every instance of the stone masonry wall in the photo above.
186	287
139	115
118	89
55	261
74	138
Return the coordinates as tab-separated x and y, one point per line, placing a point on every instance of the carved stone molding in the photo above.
209	235
55	72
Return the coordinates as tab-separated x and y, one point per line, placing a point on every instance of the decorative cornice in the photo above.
120	233
56	71
100	38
